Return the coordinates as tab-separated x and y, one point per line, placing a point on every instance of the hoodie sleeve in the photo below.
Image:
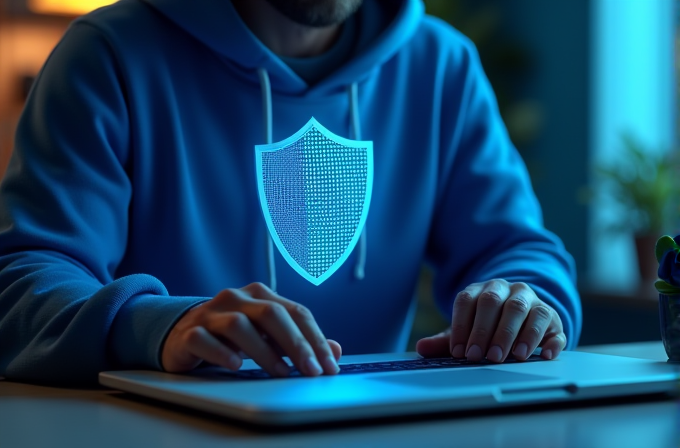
488	222
64	316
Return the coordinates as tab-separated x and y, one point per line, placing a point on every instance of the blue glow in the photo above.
633	92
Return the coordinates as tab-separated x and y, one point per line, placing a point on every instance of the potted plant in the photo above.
646	186
668	255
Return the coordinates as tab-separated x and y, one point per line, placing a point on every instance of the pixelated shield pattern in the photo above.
315	191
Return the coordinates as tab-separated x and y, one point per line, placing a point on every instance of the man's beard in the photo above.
317	13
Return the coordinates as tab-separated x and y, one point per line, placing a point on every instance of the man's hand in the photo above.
493	318
256	321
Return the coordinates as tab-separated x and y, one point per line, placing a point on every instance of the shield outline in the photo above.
273	147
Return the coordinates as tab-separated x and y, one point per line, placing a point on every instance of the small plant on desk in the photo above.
668	255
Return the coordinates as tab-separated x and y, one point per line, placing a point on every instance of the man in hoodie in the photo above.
136	204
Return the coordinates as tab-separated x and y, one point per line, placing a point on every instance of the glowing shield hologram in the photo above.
315	191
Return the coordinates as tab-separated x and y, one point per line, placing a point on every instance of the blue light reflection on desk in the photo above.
98	424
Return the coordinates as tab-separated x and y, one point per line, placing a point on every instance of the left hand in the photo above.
493	318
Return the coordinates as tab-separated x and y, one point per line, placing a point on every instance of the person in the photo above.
132	234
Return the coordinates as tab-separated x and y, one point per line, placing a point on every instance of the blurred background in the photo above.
589	92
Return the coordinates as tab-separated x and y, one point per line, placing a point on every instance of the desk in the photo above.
37	416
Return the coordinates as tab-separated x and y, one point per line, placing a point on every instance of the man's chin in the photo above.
317	13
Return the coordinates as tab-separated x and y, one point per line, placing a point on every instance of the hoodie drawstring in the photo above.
265	86
267	109
356	135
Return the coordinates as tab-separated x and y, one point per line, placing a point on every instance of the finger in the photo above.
554	341
462	318
532	331
553	346
435	346
489	308
306	324
199	345
310	330
273	318
237	328
205	346
515	312
336	348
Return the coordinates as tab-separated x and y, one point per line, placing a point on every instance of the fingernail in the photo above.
495	354
282	369
547	354
521	350
331	365
474	353
458	351
313	367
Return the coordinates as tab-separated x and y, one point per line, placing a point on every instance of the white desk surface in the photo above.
39	416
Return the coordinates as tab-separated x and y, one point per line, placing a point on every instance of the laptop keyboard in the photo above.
391	366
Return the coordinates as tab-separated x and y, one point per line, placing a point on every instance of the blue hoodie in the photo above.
131	194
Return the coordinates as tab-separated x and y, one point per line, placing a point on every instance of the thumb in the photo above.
435	346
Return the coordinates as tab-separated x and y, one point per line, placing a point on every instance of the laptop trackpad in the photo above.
460	378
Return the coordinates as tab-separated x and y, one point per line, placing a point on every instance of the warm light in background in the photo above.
66	7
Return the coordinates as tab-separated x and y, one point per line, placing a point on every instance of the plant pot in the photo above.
669	315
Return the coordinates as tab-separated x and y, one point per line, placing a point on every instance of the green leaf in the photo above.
663	244
645	184
665	288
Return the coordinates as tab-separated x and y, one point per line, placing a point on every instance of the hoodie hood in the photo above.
384	28
218	25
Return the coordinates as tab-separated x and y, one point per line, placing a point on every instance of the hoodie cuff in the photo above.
141	326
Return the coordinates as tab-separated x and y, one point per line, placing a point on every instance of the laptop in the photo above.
386	385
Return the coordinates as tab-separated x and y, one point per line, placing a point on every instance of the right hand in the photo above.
256	321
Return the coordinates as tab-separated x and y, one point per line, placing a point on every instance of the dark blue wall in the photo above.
556	36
